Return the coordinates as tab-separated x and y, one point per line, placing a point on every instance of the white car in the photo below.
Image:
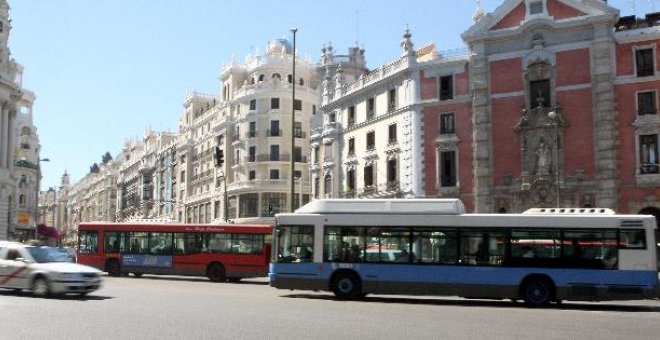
44	271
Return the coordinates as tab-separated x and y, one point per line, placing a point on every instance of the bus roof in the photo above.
177	227
435	206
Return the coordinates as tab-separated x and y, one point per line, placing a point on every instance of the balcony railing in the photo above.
274	132
649	169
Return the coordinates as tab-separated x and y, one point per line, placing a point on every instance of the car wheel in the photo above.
41	287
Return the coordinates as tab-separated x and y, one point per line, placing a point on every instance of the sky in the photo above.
107	71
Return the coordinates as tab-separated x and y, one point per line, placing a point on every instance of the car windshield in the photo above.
48	254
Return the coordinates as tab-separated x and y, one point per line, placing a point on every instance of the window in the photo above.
88	242
297	244
315	154
482	248
536	7
252	154
447	124
446	87
327	153
253	129
391	100
539	93
371	140
297	174
350	180
274	174
297	130
274	103
261	77
274	152
297	105
248	204
297	155
392	134
317	185
371	108
289	79
648	154
351	146
392	178
274	128
332	117
276	76
448	168
253	104
644	62
252	175
351	116
369	175
327	185
646	103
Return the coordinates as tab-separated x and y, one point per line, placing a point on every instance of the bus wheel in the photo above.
41	287
216	273
347	286
137	274
112	267
537	292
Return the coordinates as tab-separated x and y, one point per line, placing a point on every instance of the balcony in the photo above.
274	133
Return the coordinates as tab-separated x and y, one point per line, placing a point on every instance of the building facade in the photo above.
17	211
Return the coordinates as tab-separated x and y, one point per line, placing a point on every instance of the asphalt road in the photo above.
154	307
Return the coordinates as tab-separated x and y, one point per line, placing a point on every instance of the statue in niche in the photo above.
543	159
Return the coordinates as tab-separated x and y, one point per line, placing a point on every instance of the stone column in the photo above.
605	126
482	125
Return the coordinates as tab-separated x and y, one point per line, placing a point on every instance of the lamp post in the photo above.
36	210
293	120
552	115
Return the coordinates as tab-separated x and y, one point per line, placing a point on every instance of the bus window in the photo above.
388	245
438	246
139	242
89	242
343	244
252	244
113	243
590	248
295	243
632	239
535	246
160	243
482	248
220	243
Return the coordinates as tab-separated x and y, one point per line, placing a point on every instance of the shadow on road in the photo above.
250	281
575	306
28	294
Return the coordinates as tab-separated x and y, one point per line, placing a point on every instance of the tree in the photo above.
94	168
106	158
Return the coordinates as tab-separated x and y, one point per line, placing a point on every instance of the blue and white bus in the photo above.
355	247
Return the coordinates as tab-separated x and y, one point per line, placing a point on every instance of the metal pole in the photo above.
224	183
293	120
557	159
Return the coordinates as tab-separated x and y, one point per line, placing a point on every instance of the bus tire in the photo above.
137	274
347	286
41	287
113	268
537	292
216	273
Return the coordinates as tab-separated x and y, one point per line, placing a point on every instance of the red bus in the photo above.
219	252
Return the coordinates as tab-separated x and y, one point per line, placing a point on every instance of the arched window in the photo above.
261	77
276	76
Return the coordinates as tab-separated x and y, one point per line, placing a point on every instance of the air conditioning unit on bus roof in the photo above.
569	211
425	206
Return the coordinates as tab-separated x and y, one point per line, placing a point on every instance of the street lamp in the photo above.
293	120
554	120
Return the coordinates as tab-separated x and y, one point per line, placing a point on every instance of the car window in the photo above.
48	254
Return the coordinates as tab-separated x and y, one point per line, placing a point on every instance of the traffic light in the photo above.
270	209
219	156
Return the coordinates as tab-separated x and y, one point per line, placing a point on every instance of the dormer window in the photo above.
535	7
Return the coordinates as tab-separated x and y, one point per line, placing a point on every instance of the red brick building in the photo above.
556	106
